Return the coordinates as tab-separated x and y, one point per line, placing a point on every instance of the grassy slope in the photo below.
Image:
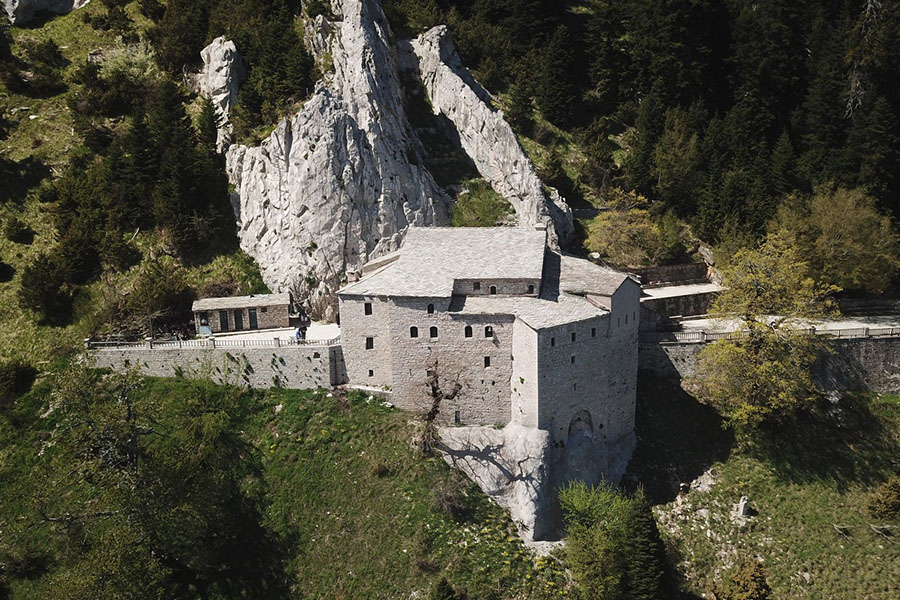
345	488
815	475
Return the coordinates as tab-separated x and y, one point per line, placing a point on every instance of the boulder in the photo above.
218	79
510	466
21	12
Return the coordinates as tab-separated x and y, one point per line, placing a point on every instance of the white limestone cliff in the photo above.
21	12
219	79
340	181
484	134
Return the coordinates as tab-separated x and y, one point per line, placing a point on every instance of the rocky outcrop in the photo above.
218	79
483	132
340	181
510	466
21	12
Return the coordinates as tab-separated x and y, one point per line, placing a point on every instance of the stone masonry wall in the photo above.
510	287
485	395
366	366
600	380
855	364
525	379
294	367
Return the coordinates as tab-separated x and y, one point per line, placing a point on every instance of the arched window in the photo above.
468	331
493	289
431	309
413	332
488	331
432	332
531	289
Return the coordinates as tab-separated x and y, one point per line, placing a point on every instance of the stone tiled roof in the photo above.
431	258
566	281
241	302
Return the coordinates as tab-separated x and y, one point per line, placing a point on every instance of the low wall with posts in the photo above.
254	363
860	359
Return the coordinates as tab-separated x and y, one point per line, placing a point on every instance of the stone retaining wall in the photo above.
854	364
294	367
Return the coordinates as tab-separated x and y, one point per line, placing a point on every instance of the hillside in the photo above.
347	506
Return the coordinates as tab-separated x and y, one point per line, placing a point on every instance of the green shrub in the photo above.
884	502
614	547
746	581
16	379
480	206
43	291
444	591
6	272
16	230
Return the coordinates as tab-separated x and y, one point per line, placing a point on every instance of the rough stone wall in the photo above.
685	306
485	395
525	382
295	367
366	366
505	287
597	381
855	363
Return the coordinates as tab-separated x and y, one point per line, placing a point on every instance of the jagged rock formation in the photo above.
340	181
510	466
21	12
484	134
218	79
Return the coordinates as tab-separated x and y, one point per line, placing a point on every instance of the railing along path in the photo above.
700	337
208	343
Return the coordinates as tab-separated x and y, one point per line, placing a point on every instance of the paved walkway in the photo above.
725	325
672	291
316	331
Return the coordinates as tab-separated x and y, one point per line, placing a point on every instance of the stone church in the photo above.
536	338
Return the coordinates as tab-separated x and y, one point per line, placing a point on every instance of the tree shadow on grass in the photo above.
844	442
678	439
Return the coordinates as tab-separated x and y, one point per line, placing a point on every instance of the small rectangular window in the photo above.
626	319
371	373
370	343
456	418
593	332
552	342
574	387
476	285
573	336
487	361
367	307
263	309
572	359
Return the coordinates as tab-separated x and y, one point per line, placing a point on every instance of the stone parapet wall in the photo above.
294	367
854	364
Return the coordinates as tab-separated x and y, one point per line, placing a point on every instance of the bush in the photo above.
16	378
884	502
43	291
6	272
444	591
746	581
614	547
16	230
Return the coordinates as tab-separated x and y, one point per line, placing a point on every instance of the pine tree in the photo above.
650	124
556	89
782	166
644	553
